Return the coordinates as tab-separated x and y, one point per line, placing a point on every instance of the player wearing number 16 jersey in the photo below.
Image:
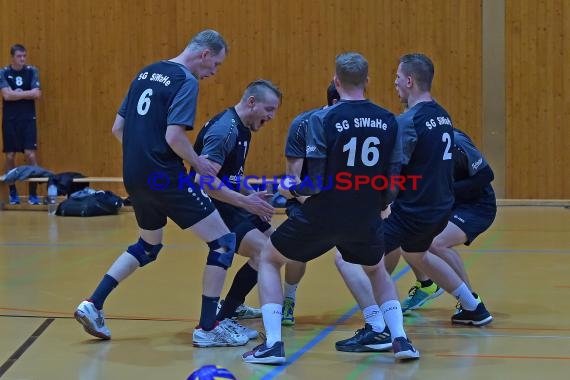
354	137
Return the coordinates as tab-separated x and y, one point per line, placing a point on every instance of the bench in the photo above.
5	205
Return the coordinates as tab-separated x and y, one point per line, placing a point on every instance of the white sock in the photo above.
373	316
272	322
123	267
392	311
465	297
290	291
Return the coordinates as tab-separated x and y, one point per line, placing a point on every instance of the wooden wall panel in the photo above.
538	89
88	51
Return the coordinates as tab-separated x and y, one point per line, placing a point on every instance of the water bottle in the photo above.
52	199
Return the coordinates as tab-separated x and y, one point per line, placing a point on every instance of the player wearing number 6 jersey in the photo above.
419	215
151	123
337	142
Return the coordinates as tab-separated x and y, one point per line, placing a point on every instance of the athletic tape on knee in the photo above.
222	260
144	252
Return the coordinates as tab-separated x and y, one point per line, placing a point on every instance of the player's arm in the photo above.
316	152
294	166
254	203
480	173
393	169
181	115
118	127
178	141
36	92
218	143
472	186
10	95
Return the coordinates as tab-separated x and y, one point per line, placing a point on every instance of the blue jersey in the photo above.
25	79
162	94
296	143
357	138
427	143
468	161
226	142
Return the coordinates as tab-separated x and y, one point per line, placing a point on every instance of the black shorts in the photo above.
183	207
473	218
410	234
240	221
299	240
19	135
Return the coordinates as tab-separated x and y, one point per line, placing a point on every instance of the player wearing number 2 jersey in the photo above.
420	215
151	123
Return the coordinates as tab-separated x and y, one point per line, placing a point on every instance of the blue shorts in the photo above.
19	135
410	233
183	207
240	221
473	218
300	240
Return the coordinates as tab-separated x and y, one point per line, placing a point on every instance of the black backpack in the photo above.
96	204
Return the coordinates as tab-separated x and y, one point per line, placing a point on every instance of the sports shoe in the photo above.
458	306
222	335
93	320
243	311
14	199
33	200
287	317
263	355
250	333
366	340
403	349
478	317
419	295
247	312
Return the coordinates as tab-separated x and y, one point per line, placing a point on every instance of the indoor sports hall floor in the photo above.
48	264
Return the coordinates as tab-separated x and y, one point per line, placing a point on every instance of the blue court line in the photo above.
323	334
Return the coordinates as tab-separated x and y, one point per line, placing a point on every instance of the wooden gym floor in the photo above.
49	264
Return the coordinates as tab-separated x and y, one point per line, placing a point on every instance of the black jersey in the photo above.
25	79
467	162
296	143
427	142
357	139
162	94
226	141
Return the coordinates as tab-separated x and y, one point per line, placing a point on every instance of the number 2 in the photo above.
446	138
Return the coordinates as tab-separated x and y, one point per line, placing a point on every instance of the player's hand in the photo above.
205	167
386	213
285	186
35	93
256	203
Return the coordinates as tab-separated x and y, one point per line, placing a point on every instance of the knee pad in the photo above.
222	260
139	251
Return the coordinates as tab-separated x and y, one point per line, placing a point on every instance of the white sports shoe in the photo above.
93	320
222	335
247	312
250	333
243	311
